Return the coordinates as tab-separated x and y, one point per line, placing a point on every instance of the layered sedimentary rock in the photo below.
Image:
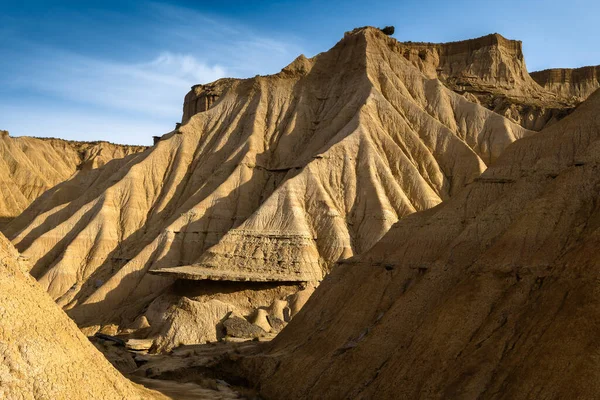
491	70
576	84
31	166
42	353
203	97
280	178
493	294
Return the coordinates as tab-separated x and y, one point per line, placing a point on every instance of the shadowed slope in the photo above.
283	176
492	294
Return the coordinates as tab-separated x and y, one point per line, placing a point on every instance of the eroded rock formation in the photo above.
492	294
203	97
42	353
491	70
283	176
575	84
31	166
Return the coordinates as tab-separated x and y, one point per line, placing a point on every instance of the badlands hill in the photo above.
31	166
576	84
43	354
491	71
492	294
266	185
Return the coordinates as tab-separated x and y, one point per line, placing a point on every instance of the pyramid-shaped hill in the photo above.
281	177
493	294
30	166
42	353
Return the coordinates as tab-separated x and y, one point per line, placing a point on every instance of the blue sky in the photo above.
118	70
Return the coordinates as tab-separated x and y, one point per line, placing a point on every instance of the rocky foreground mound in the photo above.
31	166
492	294
43	355
270	181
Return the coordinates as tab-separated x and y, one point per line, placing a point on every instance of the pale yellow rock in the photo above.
260	319
191	322
140	322
90	330
277	309
577	84
111	330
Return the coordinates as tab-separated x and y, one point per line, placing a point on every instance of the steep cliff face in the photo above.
203	97
283	176
490	70
492	294
31	166
576	84
491	63
42	353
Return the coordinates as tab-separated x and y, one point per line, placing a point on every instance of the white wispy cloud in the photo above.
177	48
154	87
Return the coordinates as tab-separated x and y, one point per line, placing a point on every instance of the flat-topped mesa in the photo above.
570	83
490	70
43	354
202	97
491	62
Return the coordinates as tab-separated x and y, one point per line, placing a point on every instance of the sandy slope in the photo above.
31	166
43	356
493	294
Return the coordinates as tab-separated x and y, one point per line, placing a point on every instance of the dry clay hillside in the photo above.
44	356
31	166
493	294
259	194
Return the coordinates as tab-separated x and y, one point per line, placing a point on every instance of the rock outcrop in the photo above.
203	97
31	166
282	177
491	70
574	84
42	353
493	294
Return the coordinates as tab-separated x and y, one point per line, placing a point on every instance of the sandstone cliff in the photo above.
491	70
43	356
203	97
280	178
492	294
31	166
576	84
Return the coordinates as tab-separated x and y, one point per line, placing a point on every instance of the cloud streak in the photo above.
176	48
